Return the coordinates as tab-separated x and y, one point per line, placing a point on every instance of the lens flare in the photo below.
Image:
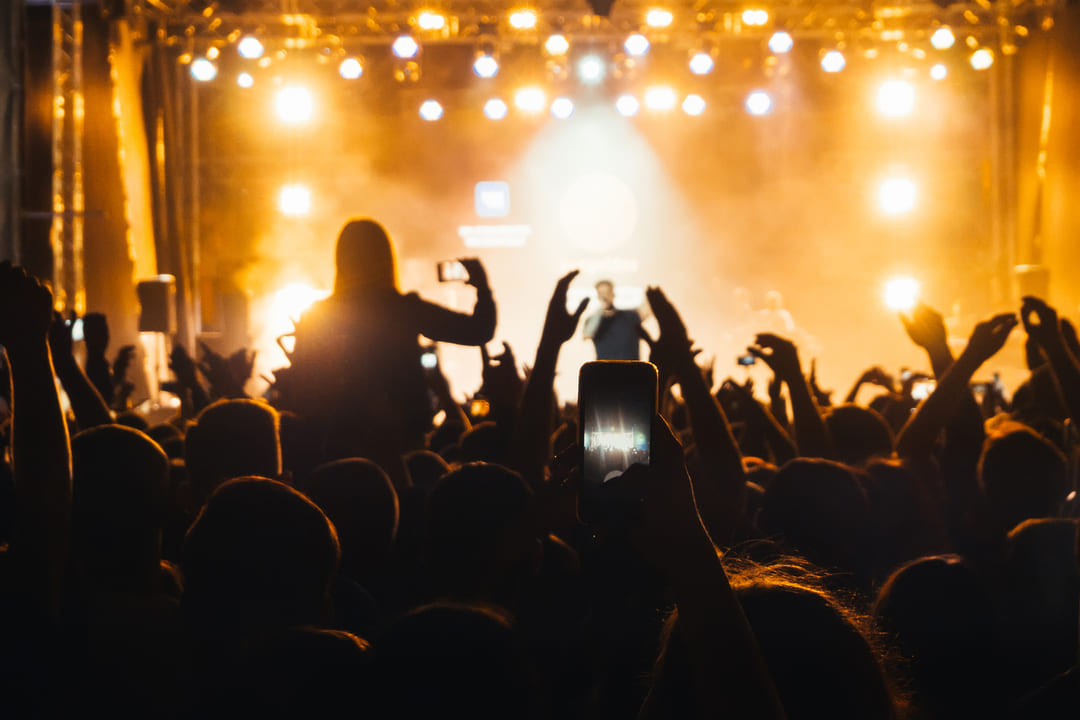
660	98
245	80
203	70
249	47
431	110
562	108
982	58
896	98
495	109
627	105
523	19
486	66
693	105
637	44
659	18
530	100
405	47
759	103
557	45
781	42
897	196
350	69
294	200
901	293
430	20
701	63
591	69
943	38
833	61
294	105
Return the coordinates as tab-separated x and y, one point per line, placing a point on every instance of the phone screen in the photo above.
922	389
76	329
617	402
429	360
747	359
451	271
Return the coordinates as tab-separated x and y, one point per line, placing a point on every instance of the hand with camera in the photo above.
477	275
875	375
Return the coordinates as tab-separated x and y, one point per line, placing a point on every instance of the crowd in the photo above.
329	550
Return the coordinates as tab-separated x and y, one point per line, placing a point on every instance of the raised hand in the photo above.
60	341
780	354
25	308
672	348
989	336
477	274
122	362
1041	323
559	324
183	366
823	397
500	381
925	327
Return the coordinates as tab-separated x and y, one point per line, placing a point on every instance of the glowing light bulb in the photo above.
701	63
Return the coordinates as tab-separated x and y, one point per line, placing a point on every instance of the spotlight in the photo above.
292	300
660	98
431	110
627	105
523	19
781	42
530	100
485	66
658	18
249	47
203	70
939	72
981	59
833	61
294	105
591	69
636	44
429	20
557	45
212	52
405	47
943	38
896	98
901	293
759	103
755	17
350	69
294	200
701	63
245	80
896	196
693	105
495	109
562	108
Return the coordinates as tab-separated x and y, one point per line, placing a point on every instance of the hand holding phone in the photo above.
451	271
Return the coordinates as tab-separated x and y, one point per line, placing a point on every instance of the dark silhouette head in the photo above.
169	438
479	536
1024	476
485	442
359	499
425	467
95	333
120	494
941	616
365	259
260	555
821	510
448	660
858	434
231	438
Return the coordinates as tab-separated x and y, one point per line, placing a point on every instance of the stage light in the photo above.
249	47
693	105
562	108
557	45
637	44
901	293
212	52
486	66
294	200
495	109
701	64
659	18
431	110
591	69
530	100
755	17
203	70
350	69
833	61
981	59
405	47
292	300
294	105
430	20
896	98
627	105
896	196
758	103
943	38
939	72
781	42
523	19
245	80
661	98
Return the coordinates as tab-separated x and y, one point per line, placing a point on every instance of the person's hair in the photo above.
359	499
365	258
478	527
120	494
453	660
858	434
259	555
1023	476
231	438
825	658
484	442
425	467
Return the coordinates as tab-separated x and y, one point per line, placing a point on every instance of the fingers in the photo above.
564	282
644	335
484	354
580	309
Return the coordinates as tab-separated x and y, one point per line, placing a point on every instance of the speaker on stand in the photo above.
157	322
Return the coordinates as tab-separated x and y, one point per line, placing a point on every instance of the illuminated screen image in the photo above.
617	430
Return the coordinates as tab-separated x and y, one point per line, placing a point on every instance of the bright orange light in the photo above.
755	17
430	20
557	45
294	105
658	18
294	200
661	98
530	100
901	293
292	300
523	19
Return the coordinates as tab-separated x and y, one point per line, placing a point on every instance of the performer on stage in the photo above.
614	332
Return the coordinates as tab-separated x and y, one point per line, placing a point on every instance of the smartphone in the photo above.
747	360
617	403
76	329
981	388
921	390
451	271
429	357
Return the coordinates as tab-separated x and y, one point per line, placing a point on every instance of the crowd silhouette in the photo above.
327	549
